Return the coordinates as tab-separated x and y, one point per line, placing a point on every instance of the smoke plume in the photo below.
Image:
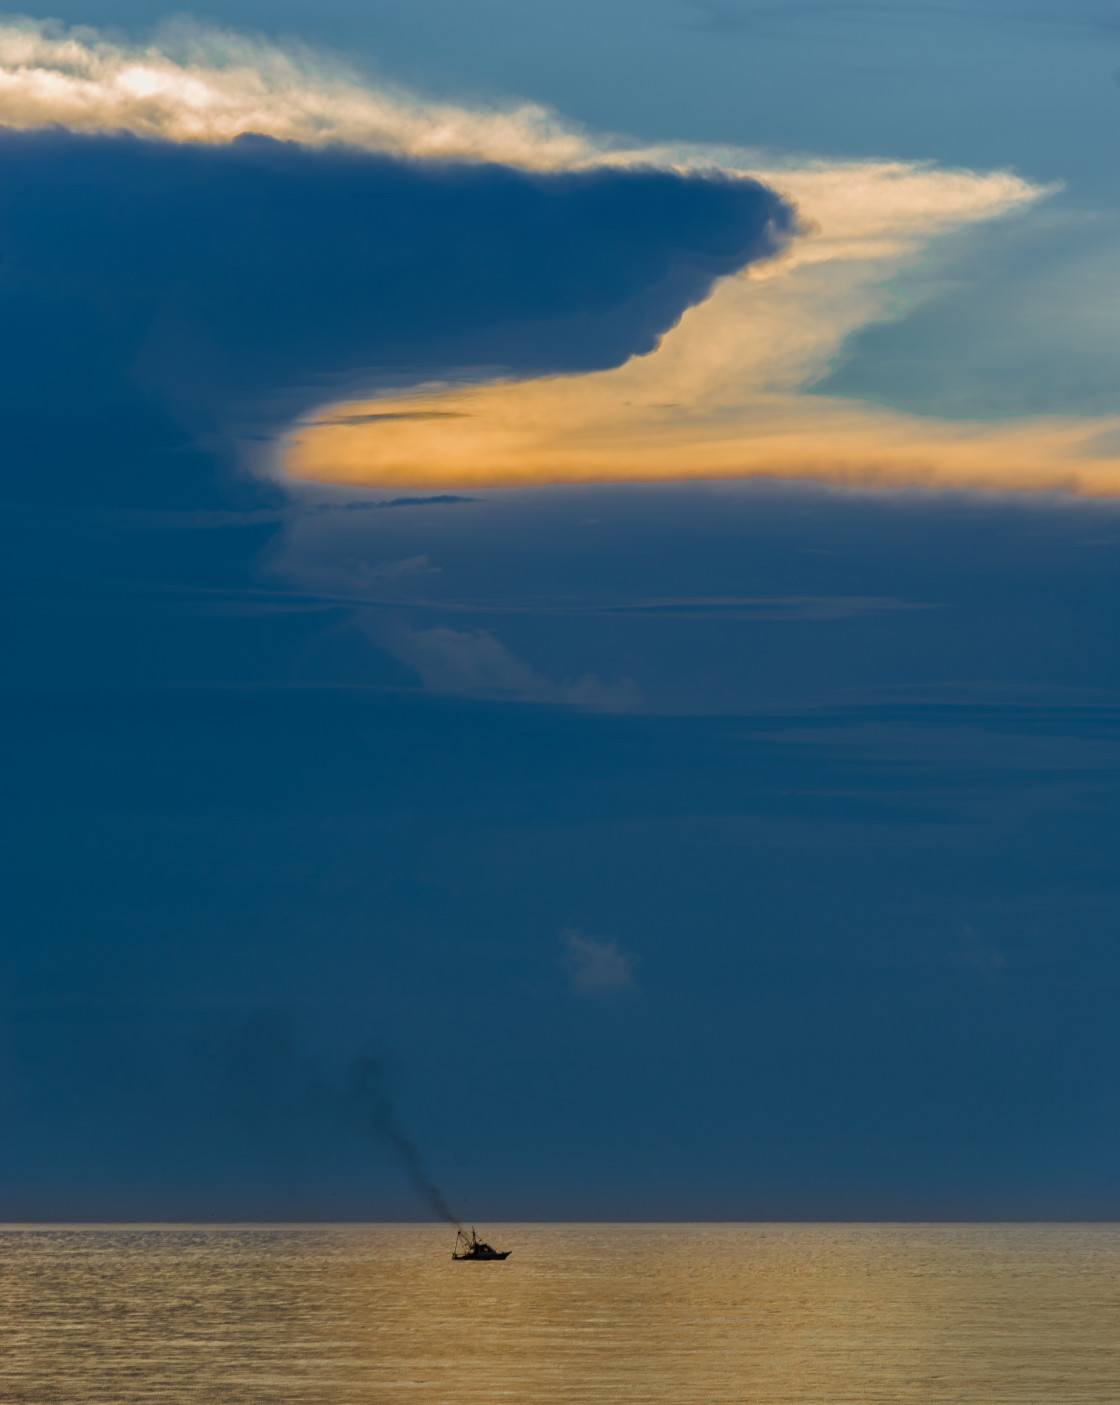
368	1107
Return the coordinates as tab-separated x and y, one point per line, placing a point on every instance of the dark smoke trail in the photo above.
371	1108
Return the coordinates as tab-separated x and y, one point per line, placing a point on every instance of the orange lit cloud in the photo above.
724	394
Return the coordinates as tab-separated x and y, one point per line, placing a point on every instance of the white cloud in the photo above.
474	663
212	86
595	966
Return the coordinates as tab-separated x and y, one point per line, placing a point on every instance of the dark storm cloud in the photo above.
154	294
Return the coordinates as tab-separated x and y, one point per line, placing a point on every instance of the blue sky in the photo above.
575	547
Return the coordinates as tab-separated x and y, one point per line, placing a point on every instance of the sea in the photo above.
681	1313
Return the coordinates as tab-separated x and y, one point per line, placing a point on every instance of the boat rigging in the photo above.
469	1246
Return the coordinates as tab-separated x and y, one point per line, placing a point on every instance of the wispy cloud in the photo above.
206	85
200	83
597	967
475	663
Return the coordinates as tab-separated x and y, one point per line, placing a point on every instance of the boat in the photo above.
469	1246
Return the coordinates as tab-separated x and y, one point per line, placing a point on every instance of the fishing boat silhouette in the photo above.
469	1246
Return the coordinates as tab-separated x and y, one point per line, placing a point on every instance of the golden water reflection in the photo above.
681	1313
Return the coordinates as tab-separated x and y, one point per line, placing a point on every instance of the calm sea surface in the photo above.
680	1313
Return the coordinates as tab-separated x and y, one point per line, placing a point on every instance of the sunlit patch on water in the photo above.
651	1313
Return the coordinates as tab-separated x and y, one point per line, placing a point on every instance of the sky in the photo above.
561	566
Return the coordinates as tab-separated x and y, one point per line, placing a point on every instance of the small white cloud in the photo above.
474	663
597	967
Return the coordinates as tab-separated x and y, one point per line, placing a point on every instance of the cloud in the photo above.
597	967
725	393
530	311
208	85
169	306
474	663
